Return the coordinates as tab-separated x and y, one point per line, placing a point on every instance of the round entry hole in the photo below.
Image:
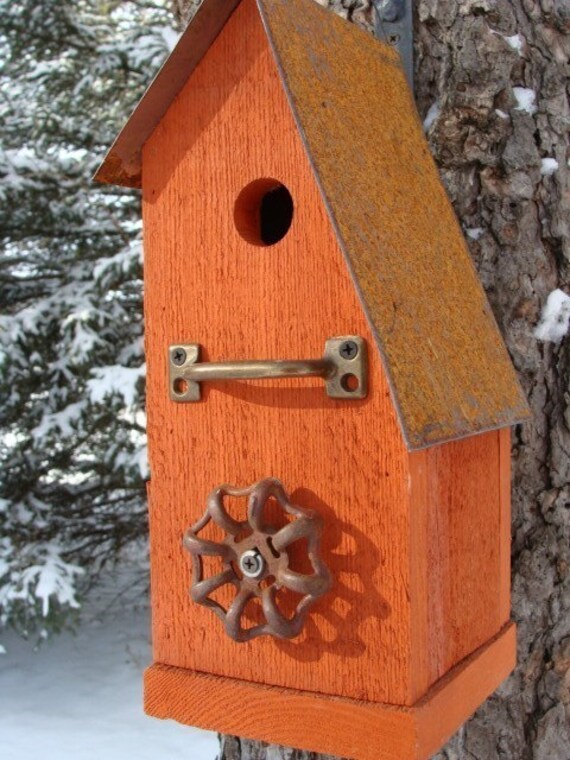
263	212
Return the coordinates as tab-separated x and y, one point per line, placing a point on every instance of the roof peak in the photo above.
449	371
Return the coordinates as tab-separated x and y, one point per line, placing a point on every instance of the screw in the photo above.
251	563
178	356
348	349
389	10
393	39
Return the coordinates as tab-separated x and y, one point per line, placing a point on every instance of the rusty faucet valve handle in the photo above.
257	565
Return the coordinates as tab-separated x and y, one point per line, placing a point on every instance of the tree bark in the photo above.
470	59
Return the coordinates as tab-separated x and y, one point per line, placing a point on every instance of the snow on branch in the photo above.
115	380
48	579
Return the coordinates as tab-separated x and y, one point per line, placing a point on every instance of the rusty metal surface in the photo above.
449	370
252	538
122	165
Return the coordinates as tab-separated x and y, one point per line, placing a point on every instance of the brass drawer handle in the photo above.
344	369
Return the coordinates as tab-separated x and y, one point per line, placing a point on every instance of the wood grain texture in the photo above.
229	126
326	724
464	548
460	548
458	694
412	540
505	525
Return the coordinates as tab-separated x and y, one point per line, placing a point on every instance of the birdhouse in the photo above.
329	398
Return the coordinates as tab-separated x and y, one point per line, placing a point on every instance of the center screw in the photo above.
251	563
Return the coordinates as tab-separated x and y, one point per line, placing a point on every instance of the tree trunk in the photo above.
478	64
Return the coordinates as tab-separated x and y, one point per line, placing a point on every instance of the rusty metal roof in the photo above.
449	370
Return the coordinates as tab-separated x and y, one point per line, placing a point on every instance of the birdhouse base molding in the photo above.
333	725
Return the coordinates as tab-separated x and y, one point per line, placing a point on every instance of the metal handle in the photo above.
343	368
260	370
254	558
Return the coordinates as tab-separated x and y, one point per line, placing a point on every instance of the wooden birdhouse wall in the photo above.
417	543
229	126
462	522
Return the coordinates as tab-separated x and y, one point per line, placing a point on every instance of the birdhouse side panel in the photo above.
211	279
461	496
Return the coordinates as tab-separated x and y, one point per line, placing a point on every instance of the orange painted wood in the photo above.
460	692
412	540
505	524
426	642
417	282
464	548
353	729
229	126
460	553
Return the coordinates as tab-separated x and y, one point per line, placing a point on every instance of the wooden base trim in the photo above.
332	725
456	696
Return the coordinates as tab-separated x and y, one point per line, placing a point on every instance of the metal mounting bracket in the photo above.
395	26
343	367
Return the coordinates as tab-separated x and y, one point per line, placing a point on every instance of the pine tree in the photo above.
72	441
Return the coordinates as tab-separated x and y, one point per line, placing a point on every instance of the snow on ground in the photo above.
80	697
